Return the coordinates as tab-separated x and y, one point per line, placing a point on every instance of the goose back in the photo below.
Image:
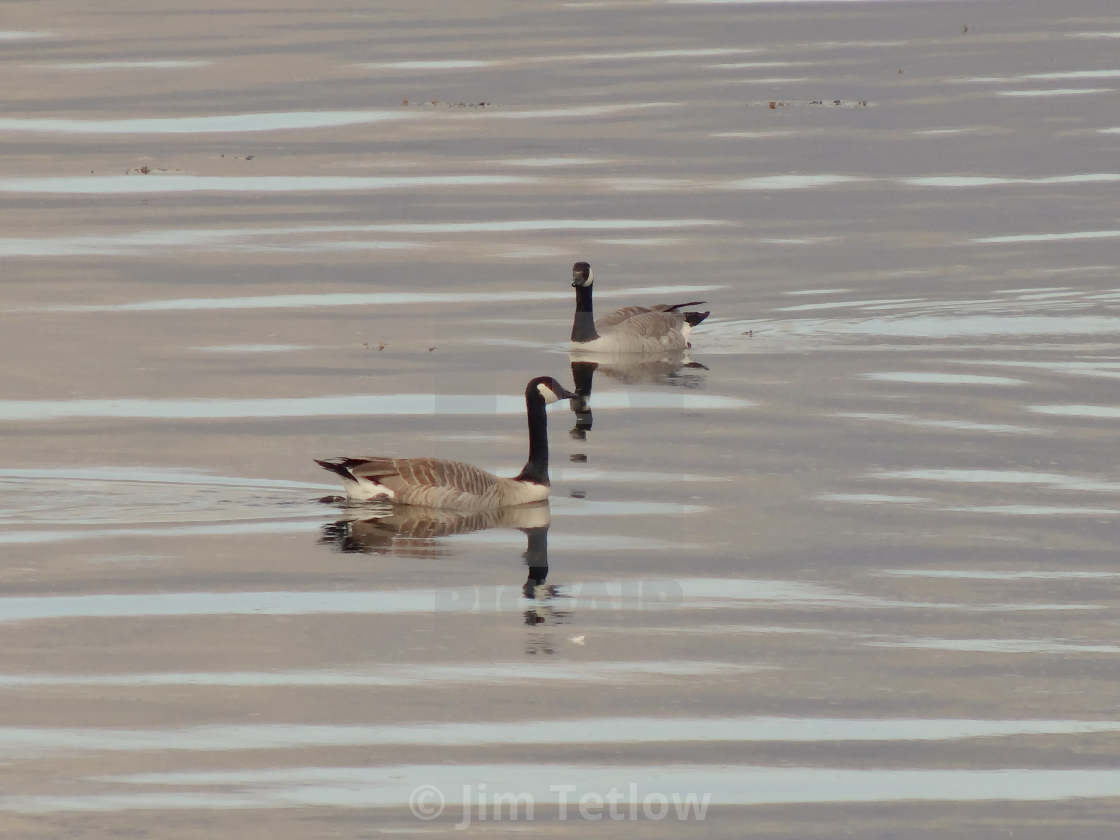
432	482
627	312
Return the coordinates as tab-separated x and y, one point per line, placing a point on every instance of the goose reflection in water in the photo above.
414	531
674	367
411	531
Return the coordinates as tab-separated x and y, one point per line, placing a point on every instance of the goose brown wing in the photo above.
417	473
619	315
653	323
627	312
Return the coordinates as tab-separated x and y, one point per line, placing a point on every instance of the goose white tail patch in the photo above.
365	490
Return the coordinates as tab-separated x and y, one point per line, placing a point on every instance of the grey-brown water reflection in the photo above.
417	532
675	368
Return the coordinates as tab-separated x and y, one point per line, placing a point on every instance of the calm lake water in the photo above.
847	568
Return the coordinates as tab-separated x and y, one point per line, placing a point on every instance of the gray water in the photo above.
846	568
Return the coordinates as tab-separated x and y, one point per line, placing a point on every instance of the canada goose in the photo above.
453	485
632	329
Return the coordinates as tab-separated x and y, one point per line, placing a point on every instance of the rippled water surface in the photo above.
845	568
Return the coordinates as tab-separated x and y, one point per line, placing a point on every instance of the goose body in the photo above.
631	329
453	485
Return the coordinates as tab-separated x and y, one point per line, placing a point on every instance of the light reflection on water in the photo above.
1036	510
951	425
1001	574
609	730
1057	481
1051	646
653	594
588	56
294	120
345	405
791	182
952	326
1103	412
1055	92
509	672
200	125
253	348
975	181
1049	237
139	64
1066	74
871	498
541	783
132	184
929	378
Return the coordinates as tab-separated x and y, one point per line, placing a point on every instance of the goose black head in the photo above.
548	389
581	275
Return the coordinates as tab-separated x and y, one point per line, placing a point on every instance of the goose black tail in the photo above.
337	465
677	306
695	318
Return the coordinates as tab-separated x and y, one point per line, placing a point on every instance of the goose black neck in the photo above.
583	327
536	552
536	468
584	375
536	558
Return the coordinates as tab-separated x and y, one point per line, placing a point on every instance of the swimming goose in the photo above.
453	485
632	329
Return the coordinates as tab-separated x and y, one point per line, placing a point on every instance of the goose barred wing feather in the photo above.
620	315
653	323
430	481
627	312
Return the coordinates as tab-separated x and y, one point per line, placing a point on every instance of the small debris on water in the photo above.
460	105
775	104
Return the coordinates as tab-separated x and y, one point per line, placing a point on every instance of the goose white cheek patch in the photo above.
546	392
